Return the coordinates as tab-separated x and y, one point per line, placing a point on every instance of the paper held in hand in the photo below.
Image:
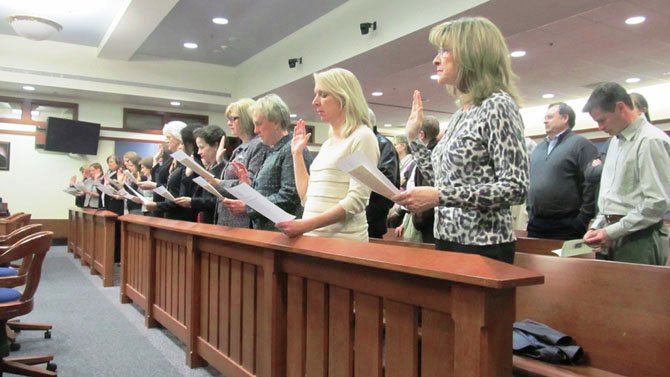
359	167
80	186
190	163
129	176
106	189
204	184
162	191
134	192
573	247
71	191
259	203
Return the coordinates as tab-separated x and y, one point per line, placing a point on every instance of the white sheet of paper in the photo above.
80	186
190	163
129	176
572	248
359	167
106	189
71	190
162	191
259	203
204	184
142	198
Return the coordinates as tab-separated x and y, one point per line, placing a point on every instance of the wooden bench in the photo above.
618	312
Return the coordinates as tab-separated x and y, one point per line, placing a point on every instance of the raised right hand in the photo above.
300	138
415	119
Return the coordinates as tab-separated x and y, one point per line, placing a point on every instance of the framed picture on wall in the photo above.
4	155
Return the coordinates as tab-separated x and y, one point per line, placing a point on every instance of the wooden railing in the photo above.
91	238
13	222
258	303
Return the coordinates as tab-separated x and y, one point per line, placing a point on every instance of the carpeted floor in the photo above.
94	334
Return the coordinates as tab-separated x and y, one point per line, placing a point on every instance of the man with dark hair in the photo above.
561	203
634	191
379	206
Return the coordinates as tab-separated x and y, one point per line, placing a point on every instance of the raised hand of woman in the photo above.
221	151
300	138
415	119
241	172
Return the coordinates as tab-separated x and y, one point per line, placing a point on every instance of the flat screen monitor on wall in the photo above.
72	136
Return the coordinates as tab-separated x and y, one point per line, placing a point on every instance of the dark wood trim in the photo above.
27	106
129	139
134	130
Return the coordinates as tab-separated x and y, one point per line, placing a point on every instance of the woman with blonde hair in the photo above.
334	203
479	169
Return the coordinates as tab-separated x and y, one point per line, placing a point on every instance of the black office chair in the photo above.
13	303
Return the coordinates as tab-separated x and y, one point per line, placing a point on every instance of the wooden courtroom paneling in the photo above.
618	312
91	238
271	306
60	227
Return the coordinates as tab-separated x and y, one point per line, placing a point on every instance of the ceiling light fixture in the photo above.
220	20
388	125
635	20
175	103
35	28
632	80
293	115
377	94
548	96
517	54
434	77
191	45
29	88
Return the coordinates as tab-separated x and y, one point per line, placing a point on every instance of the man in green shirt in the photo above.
634	187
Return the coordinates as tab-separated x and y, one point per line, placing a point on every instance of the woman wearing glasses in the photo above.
251	153
480	166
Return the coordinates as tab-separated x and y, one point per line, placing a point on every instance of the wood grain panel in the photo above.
295	327
316	358
437	344
236	310
248	316
340	332
401	341
224	306
367	335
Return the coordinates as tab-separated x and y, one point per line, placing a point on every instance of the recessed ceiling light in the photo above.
28	88
517	54
632	80
220	20
388	125
377	94
175	103
293	115
635	20
547	96
34	113
434	77
190	45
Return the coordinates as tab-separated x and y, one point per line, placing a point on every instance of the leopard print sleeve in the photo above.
486	161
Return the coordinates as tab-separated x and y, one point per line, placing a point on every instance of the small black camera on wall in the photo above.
294	61
366	26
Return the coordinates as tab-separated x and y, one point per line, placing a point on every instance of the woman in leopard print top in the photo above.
480	166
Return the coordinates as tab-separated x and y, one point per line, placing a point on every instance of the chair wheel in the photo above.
47	334
51	366
14	346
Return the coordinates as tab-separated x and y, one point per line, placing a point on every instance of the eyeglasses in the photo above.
443	51
232	119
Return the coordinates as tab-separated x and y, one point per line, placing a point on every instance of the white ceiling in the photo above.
571	45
